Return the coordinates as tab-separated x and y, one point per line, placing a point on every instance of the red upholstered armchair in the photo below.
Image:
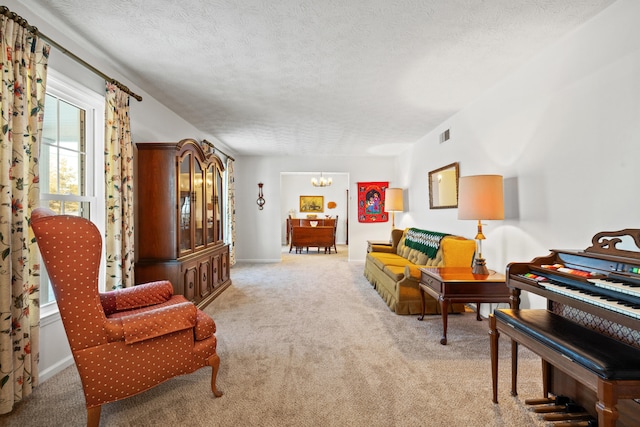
124	341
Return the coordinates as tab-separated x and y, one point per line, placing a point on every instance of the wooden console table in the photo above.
319	236
459	284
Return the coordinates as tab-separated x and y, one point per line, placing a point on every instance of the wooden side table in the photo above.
459	284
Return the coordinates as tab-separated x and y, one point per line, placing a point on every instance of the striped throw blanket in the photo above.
427	242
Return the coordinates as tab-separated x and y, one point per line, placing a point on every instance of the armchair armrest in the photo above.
392	247
136	297
383	248
147	324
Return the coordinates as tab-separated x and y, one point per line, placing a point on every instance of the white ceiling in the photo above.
316	77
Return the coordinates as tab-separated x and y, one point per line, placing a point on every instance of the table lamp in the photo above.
393	203
480	197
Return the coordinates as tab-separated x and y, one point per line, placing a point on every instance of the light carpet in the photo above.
309	342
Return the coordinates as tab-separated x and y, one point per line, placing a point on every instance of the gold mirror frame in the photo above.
443	187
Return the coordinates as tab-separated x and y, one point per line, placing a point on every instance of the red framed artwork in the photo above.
371	202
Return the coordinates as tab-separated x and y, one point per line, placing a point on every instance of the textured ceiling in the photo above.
316	77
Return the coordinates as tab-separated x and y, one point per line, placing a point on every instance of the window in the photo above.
71	162
63	154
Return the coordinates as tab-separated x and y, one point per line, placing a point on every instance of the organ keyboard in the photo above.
598	288
624	285
601	280
611	295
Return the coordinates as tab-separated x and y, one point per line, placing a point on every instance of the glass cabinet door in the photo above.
209	196
184	185
218	205
198	202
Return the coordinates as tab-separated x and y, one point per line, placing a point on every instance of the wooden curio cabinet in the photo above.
180	219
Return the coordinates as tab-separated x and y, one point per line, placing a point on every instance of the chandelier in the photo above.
322	182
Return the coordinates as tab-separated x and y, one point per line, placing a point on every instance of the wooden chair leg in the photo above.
546	378
214	362
514	367
93	416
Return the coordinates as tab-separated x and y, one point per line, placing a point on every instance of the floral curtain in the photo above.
24	69
118	162
231	211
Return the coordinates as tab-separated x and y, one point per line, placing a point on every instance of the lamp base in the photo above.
480	267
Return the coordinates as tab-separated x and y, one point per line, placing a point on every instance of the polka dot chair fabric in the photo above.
124	341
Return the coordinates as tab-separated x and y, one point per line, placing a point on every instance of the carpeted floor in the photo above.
309	342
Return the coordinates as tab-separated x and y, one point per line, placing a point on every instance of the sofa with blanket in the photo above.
394	270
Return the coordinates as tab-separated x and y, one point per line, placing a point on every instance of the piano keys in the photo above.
623	285
602	293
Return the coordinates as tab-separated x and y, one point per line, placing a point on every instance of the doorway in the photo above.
335	200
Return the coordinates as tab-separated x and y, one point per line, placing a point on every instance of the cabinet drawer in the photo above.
431	283
205	278
190	278
215	270
224	265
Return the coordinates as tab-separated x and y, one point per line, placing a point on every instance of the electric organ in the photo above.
588	337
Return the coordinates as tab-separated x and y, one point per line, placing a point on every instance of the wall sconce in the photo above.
261	201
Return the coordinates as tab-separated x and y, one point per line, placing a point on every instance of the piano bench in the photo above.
608	367
606	357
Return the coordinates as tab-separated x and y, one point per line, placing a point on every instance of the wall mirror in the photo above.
443	187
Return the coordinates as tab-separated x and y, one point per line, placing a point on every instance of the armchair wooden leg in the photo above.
93	416
214	362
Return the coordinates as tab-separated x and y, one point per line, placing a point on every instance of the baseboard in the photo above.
55	369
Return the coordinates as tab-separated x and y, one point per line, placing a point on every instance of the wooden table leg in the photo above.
444	304
478	318
421	303
493	337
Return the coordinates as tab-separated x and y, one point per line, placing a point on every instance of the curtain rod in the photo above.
210	144
34	30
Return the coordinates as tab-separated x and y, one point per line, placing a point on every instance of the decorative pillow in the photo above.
457	252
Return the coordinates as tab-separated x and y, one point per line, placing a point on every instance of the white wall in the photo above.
293	185
259	232
564	131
